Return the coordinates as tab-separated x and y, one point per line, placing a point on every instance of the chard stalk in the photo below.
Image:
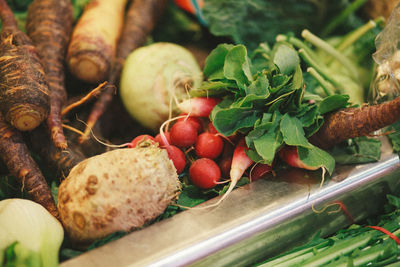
321	70
318	42
340	248
351	38
326	86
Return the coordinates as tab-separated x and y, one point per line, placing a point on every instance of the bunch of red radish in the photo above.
192	140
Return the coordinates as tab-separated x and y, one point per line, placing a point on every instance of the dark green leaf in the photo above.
212	88
237	66
292	132
214	65
357	150
278	82
228	121
333	102
267	144
316	158
191	196
286	58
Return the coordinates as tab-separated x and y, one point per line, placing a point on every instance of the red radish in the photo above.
198	106
183	134
225	166
141	138
204	173
290	155
177	156
240	162
209	145
259	171
195	120
161	142
211	128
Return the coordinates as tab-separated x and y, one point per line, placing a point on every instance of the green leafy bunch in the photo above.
264	98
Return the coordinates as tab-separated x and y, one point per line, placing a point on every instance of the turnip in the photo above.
119	190
154	75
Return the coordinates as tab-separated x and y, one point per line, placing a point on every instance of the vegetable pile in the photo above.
202	106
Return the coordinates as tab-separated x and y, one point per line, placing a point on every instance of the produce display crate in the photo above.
256	221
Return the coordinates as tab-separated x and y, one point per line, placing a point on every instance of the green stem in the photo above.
326	86
318	42
351	38
299	44
342	16
321	70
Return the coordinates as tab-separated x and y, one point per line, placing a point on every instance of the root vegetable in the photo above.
152	76
352	122
209	145
49	25
177	156
140	20
38	234
290	155
20	164
59	160
119	190
94	40
140	139
24	93
199	106
161	142
204	173
259	171
195	120
183	134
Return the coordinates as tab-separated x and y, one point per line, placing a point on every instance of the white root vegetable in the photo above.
38	234
154	75
119	190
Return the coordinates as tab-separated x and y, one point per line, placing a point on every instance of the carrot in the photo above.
49	25
94	40
24	93
353	122
139	22
59	161
15	154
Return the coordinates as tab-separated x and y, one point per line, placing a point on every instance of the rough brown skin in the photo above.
20	164
24	93
120	190
49	25
140	20
352	122
376	8
59	160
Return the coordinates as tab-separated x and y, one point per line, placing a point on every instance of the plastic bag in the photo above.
386	84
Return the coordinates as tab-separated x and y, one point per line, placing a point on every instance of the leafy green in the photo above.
255	21
263	98
394	136
358	245
357	150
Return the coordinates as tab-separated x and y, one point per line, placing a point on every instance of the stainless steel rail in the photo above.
256	221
